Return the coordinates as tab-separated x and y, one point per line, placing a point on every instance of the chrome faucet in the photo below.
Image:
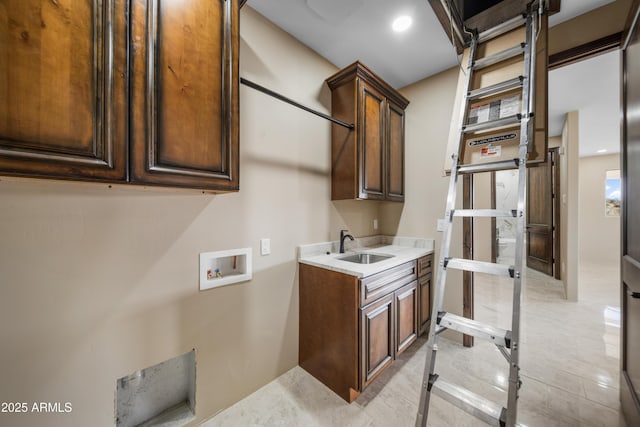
342	237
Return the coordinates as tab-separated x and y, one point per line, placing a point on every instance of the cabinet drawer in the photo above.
385	282
425	265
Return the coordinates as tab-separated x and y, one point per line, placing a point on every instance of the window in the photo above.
612	193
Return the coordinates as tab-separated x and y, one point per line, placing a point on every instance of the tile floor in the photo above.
569	361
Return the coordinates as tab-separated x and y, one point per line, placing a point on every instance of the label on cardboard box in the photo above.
491	151
494	110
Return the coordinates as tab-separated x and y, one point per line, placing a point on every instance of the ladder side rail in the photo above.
532	76
525	132
432	344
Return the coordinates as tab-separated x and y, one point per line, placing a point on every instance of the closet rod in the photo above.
292	102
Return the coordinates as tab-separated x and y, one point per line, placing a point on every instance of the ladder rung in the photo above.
479	266
484	167
506	121
492	213
503	55
476	405
496	88
498	336
503	28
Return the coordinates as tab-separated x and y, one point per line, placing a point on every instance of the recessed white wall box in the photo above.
224	267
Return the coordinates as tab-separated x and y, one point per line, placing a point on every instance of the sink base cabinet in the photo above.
328	342
352	329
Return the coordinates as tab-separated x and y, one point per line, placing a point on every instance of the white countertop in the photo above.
402	249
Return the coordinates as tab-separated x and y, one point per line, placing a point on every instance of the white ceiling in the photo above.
343	31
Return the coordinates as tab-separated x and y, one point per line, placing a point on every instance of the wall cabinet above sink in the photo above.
368	160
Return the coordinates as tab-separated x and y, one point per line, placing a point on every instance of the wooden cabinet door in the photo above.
185	93
328	329
371	143
424	291
377	328
406	306
395	153
63	80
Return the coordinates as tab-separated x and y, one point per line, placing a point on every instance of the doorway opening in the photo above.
542	238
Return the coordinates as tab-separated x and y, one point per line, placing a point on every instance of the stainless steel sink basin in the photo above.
365	258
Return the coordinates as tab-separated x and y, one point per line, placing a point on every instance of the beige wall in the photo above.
99	282
555	141
427	130
569	193
599	234
601	22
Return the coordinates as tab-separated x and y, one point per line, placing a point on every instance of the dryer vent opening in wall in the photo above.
161	394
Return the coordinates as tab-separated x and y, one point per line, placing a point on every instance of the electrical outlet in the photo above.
440	225
265	246
375	224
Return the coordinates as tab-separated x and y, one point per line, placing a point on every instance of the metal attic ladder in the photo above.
507	341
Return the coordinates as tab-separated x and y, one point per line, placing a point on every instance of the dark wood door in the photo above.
371	142
377	338
406	306
63	79
540	213
630	251
395	153
185	93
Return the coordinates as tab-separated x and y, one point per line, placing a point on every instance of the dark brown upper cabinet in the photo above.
368	160
63	82
184	97
144	91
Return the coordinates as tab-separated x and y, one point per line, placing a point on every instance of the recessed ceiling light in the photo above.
604	150
401	23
